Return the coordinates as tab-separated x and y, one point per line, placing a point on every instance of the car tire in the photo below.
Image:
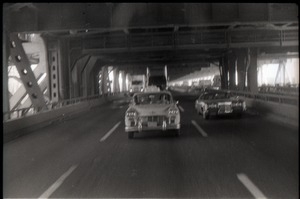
130	135
205	116
239	115
177	132
198	111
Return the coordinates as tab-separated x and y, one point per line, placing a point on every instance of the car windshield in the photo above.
152	98
136	82
221	96
211	96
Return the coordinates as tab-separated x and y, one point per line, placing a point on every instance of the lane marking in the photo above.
204	134
181	109
110	132
251	186
56	184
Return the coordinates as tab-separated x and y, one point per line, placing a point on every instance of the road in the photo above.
90	156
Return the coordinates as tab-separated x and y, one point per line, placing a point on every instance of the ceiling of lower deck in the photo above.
159	33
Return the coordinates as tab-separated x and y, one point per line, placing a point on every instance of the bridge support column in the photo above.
64	71
127	77
116	80
281	72
252	72
123	81
88	78
225	75
231	70
74	55
54	71
241	69
5	97
94	82
104	80
76	76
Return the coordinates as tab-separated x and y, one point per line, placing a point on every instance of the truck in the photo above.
157	76
138	83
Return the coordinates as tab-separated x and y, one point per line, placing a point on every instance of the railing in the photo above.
19	113
278	98
282	99
279	90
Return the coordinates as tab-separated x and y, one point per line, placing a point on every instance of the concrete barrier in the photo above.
282	113
21	126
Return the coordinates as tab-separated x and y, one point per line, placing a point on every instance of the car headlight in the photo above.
212	105
173	111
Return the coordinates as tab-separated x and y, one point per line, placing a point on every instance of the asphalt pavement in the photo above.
90	156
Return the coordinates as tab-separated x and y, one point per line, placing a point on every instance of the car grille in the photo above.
225	108
155	118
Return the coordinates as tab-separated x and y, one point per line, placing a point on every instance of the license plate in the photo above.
152	124
227	109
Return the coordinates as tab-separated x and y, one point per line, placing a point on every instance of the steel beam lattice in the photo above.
20	59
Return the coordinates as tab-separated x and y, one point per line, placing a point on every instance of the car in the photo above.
219	103
151	89
150	111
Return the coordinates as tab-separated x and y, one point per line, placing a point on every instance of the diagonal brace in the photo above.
22	63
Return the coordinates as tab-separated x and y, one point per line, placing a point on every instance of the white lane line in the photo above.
58	182
110	132
181	109
204	134
251	186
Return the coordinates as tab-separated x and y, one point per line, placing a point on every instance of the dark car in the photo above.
219	103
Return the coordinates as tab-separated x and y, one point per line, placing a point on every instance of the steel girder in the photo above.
252	70
104	80
87	76
281	71
35	47
76	77
5	93
82	76
22	63
21	92
54	66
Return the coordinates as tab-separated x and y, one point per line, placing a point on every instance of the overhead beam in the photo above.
66	16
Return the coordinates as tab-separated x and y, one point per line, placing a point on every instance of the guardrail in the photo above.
19	113
290	100
278	98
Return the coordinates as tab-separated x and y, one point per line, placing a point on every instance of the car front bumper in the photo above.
217	111
146	128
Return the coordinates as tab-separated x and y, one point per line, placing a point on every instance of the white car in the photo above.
219	103
152	111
